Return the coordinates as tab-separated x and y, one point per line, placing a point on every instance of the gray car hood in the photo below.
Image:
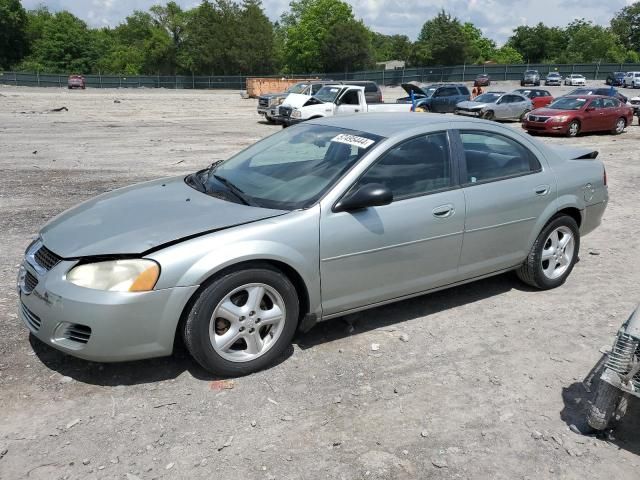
471	104
138	218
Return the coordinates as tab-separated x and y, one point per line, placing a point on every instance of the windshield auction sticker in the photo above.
360	142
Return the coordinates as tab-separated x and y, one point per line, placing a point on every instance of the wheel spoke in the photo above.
550	268
254	342
565	240
229	311
565	260
271	317
548	254
256	294
555	240
225	341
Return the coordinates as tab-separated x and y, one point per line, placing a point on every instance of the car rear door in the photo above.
411	245
593	116
507	186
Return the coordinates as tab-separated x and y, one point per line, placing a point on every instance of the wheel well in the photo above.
293	276
573	213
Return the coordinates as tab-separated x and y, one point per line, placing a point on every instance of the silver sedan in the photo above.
496	106
327	218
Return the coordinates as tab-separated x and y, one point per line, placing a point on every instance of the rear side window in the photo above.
415	167
370	87
491	156
447	92
610	103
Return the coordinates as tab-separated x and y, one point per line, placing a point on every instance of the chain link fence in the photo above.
593	71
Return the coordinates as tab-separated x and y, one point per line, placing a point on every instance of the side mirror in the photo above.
369	195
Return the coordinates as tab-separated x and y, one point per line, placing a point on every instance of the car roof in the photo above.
589	97
390	124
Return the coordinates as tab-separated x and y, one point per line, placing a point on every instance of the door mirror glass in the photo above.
369	195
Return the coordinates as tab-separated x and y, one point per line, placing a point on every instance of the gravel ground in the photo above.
481	381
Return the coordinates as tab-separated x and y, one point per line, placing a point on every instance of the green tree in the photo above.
626	25
347	46
538	44
506	55
255	39
164	48
390	47
479	47
589	43
307	28
445	38
13	33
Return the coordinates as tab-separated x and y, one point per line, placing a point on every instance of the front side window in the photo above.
415	167
350	98
447	92
289	170
491	156
298	88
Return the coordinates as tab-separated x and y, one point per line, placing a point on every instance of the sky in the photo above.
496	18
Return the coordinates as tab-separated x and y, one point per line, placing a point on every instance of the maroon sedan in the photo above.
574	114
482	80
76	81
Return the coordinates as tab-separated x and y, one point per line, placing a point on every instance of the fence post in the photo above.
506	69
100	78
38	77
15	78
464	69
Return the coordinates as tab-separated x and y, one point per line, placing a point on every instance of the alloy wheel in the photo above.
557	252
574	128
247	322
620	125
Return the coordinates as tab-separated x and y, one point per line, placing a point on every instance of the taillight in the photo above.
604	177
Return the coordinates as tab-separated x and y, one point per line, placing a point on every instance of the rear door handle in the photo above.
542	190
443	211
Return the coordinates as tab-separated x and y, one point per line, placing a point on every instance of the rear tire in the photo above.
550	260
604	406
228	305
621	124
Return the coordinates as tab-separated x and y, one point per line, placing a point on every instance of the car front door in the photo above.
592	119
443	99
506	189
413	244
349	102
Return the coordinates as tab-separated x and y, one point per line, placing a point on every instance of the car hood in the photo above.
141	217
471	104
415	87
550	112
296	100
274	95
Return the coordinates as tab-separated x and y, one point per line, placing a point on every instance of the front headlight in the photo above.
279	101
131	275
560	118
296	114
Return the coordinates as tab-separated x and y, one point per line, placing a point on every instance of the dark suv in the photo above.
615	79
530	77
443	98
372	92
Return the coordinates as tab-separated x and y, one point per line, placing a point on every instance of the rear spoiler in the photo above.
575	153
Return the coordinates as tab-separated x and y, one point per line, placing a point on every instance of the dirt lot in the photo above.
486	386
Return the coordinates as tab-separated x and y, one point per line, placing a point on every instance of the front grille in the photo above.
537	118
46	258
32	319
30	282
635	102
285	111
263	102
621	356
77	333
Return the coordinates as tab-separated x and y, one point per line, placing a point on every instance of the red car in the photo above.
482	80
76	81
539	97
574	114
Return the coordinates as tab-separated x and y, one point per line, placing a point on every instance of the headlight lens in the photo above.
296	114
132	275
279	101
560	118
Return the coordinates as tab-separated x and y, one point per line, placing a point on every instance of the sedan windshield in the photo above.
327	94
289	170
297	88
487	97
568	103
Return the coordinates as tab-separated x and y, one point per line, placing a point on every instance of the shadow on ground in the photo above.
158	369
577	398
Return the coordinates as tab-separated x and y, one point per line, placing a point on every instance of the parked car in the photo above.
635	104
496	106
530	77
482	80
615	79
439	98
571	115
553	78
268	103
620	375
631	80
332	100
604	91
307	225
76	81
539	97
372	91
418	90
575	79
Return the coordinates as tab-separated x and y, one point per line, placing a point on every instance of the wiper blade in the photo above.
235	190
195	180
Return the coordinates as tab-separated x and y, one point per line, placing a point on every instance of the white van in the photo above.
631	79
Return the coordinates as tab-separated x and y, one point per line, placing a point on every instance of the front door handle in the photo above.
542	190
356	110
443	211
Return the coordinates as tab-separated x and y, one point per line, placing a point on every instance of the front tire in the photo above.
489	115
242	322
574	129
604	406
553	254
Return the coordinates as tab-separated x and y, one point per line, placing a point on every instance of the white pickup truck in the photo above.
332	100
